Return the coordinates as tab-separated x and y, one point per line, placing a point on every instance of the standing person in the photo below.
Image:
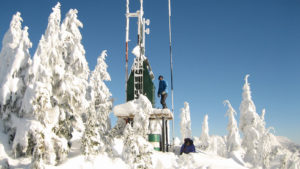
162	91
187	147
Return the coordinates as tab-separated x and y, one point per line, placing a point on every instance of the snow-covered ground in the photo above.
76	160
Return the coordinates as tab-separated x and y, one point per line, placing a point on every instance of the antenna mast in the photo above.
171	66
138	63
127	39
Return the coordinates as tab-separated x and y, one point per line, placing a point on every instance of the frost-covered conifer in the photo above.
205	138
261	146
137	149
38	161
40	106
10	43
131	149
101	96
267	144
141	118
70	92
97	125
233	144
249	120
185	123
233	137
257	141
91	140
47	63
118	129
15	61
76	68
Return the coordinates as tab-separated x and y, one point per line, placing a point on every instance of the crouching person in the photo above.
187	147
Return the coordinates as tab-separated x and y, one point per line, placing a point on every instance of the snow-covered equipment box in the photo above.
158	127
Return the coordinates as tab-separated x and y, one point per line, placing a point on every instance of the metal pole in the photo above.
167	136
127	39
171	66
163	135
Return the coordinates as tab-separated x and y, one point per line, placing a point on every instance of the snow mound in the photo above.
194	160
131	108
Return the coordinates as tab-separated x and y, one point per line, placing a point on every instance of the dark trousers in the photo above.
163	100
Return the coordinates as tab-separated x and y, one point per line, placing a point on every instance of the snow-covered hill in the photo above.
288	144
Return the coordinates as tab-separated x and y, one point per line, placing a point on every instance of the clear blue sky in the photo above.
215	44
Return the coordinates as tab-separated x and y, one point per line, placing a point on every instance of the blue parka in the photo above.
162	87
187	149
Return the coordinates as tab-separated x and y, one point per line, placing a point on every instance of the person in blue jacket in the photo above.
187	147
162	91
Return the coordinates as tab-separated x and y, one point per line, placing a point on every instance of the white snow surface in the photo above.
130	108
159	160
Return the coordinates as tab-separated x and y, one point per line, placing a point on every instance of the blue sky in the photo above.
215	44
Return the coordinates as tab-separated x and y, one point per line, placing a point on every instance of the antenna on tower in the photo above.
139	50
127	39
171	67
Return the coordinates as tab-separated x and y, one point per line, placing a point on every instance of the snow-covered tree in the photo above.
185	123
97	125
249	121
15	59
205	138
233	144
233	137
262	147
92	141
40	105
257	141
101	96
10	43
47	63
38	162
118	129
71	89
75	82
267	145
137	149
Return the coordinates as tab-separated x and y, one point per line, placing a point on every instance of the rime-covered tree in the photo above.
40	103
185	122
46	67
101	96
233	137
205	138
137	149
249	120
253	128
10	44
97	125
70	91
92	142
15	61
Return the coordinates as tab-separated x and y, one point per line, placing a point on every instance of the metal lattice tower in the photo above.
138	61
